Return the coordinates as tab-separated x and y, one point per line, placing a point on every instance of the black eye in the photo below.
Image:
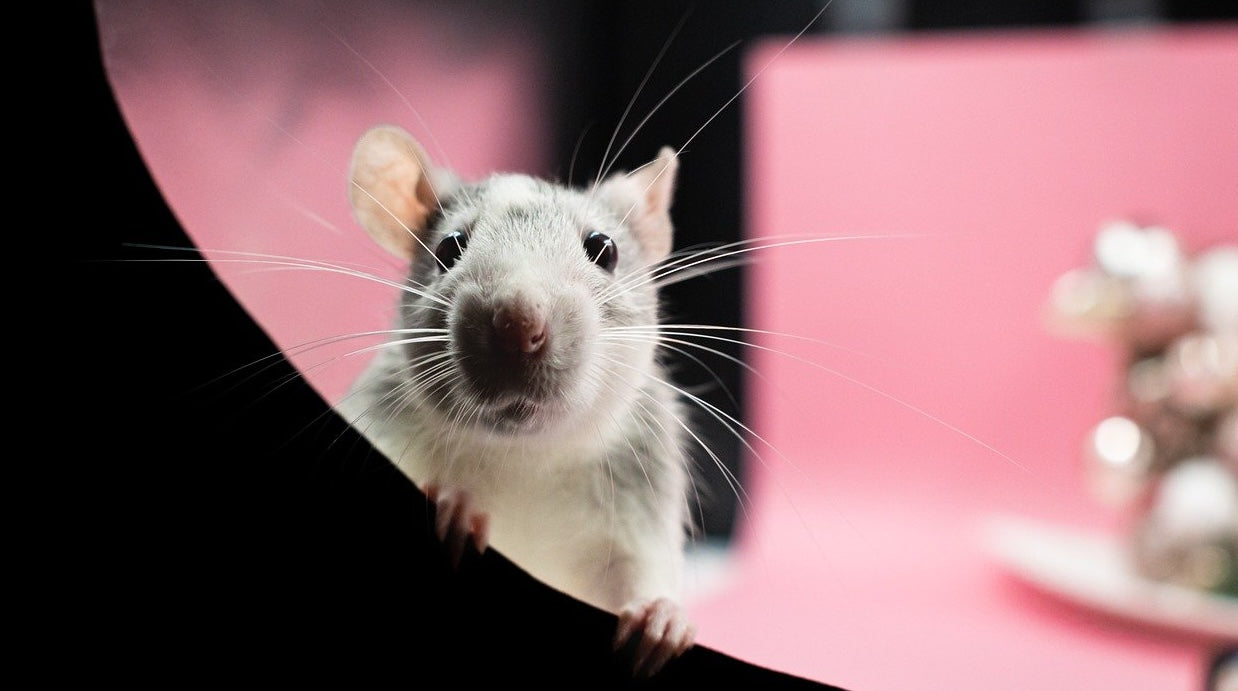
601	250
450	248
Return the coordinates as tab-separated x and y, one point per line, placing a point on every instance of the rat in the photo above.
521	389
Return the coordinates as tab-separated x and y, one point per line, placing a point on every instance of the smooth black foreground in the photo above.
211	523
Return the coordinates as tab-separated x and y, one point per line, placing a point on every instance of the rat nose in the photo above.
519	329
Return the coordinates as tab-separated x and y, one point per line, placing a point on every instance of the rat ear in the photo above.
644	198
391	188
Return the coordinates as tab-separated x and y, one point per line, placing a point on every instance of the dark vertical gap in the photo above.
974	14
617	44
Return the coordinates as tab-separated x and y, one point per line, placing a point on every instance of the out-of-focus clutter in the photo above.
1168	455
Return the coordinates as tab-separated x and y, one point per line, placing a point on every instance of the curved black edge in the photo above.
221	524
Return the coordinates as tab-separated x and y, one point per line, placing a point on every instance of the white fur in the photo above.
593	501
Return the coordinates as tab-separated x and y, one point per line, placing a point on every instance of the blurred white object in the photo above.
1168	456
1119	457
1148	258
1096	571
1189	535
1202	371
1138	290
1215	281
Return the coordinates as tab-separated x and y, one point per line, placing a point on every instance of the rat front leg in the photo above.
660	631
458	520
653	626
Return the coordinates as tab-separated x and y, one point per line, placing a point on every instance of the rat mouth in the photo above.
519	411
519	415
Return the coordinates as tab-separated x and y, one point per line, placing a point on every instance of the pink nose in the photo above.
519	330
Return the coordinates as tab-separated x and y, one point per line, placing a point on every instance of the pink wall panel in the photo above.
975	170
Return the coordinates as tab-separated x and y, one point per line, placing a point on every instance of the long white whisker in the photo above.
756	76
646	337
731	423
439	150
415	235
605	166
737	248
872	389
571	166
692	330
655	109
673	277
276	261
733	482
661	341
732	99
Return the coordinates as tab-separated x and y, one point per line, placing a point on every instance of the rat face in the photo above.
527	280
530	307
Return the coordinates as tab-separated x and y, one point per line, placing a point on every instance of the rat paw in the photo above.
458	521
660	631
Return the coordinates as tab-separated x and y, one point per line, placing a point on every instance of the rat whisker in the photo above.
666	344
825	6
411	232
714	256
879	392
694	330
742	432
276	261
654	111
605	166
439	150
728	476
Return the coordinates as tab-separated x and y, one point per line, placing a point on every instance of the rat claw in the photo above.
457	522
630	620
664	630
677	638
481	531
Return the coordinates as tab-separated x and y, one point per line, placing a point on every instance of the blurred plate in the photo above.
1094	570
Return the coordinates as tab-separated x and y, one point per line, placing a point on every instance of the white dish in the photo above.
1094	570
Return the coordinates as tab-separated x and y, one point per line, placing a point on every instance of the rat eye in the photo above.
601	250
450	248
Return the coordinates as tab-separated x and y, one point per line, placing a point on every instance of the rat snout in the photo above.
519	327
520	350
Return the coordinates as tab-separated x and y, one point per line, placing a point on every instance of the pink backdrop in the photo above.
978	168
981	164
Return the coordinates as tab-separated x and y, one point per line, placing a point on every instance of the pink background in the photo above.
247	114
978	167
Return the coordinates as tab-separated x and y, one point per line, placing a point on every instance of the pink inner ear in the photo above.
254	159
662	192
655	183
389	189
643	198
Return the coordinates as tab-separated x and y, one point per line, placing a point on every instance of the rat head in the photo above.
526	300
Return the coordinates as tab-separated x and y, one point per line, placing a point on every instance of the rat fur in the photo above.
521	388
